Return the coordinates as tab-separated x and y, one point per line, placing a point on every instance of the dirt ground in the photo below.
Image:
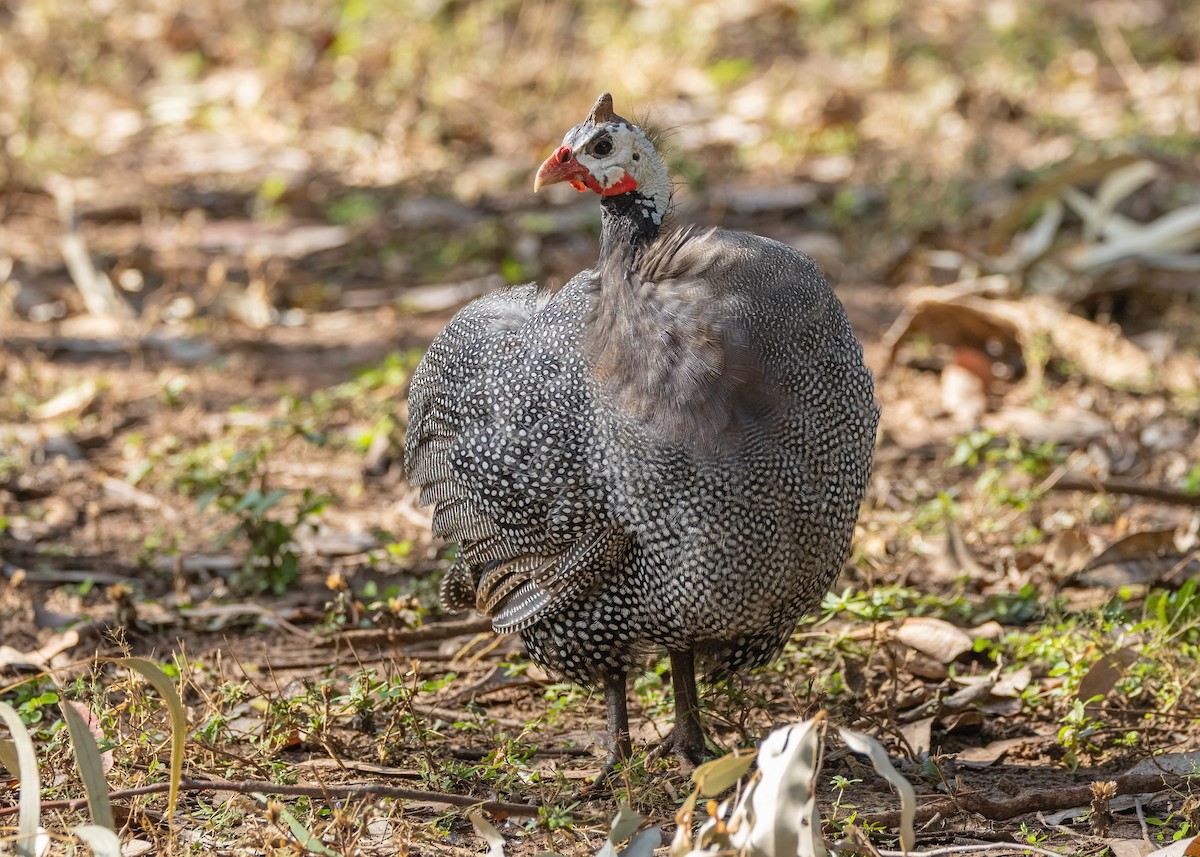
223	249
134	566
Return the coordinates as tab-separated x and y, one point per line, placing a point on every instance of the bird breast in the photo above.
668	350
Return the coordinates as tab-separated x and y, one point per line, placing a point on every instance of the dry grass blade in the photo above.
1173	233
1116	187
624	826
1076	174
305	838
91	768
1037	241
99	295
166	689
8	756
27	772
872	749
716	776
101	840
778	814
488	832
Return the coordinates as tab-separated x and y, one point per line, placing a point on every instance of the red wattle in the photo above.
625	185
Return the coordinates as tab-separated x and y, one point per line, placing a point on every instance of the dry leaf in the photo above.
981	757
1065	426
1175	763
1069	552
935	638
922	666
1129	847
919	734
977	689
956	317
1135	545
963	395
1013	683
1103	675
72	400
1141	557
1189	847
955	721
989	630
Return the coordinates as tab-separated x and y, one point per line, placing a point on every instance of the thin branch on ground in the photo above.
1034	800
424	634
357	791
983	848
1116	485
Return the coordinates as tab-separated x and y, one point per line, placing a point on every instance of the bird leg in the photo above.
618	725
686	738
618	731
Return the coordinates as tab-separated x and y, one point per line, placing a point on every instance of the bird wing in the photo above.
499	441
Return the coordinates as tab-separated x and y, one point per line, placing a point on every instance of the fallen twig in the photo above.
1034	800
984	848
424	634
1116	485
355	791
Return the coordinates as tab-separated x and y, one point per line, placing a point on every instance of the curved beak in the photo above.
560	167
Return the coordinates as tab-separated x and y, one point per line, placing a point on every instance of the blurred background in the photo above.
253	161
229	229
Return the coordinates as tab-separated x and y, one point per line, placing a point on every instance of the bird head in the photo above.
611	156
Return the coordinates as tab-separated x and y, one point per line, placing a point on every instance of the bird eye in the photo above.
602	147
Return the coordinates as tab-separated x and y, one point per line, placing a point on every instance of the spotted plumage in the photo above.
667	453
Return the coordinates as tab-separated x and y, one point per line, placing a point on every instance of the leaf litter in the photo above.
1017	621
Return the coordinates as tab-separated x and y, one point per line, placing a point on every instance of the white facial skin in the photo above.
616	153
610	152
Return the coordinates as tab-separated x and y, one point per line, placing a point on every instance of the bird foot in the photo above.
617	756
685	744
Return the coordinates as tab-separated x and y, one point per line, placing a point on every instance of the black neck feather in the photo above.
627	222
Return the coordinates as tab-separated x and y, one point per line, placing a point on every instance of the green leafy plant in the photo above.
237	486
1075	734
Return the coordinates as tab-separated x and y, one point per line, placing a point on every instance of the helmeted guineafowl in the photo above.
668	452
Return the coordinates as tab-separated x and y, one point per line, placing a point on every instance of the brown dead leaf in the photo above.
957	317
1069	552
1140	544
1012	684
921	665
956	721
919	734
1103	675
1100	353
1182	848
1141	557
1129	847
73	400
1000	706
1066	426
935	638
978	689
963	395
1183	764
989	630
989	754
